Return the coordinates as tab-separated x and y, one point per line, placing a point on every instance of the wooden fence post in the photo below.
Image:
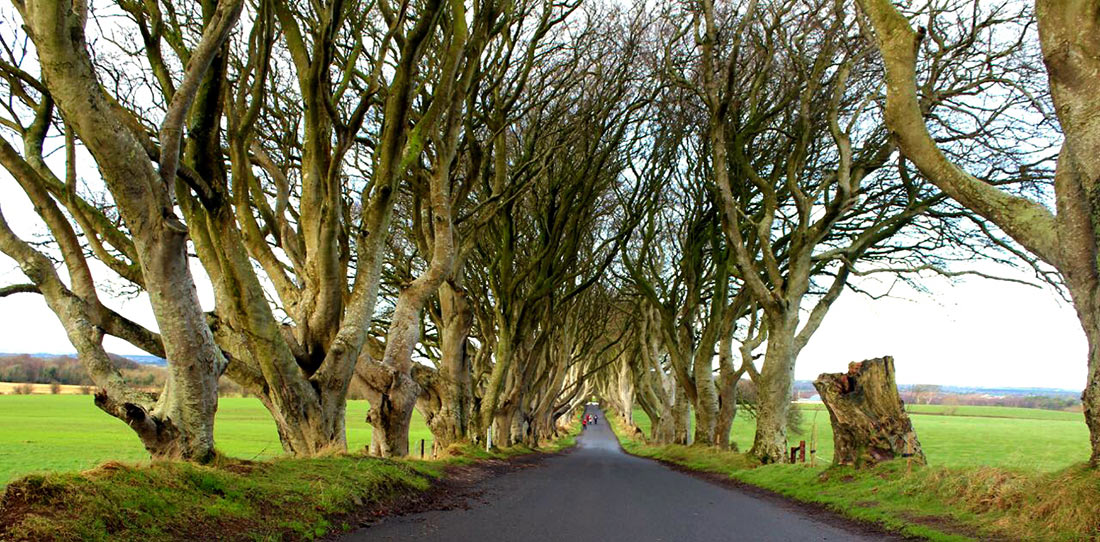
813	443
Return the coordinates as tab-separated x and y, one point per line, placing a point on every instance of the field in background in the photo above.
1022	439
67	432
10	388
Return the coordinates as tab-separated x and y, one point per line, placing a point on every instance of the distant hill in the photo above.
146	359
137	358
807	385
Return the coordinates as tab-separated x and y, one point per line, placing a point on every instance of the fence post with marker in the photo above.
813	442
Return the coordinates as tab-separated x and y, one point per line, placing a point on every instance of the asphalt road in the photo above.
599	493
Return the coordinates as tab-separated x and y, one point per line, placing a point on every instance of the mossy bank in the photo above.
230	499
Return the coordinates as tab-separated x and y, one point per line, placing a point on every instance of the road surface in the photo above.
599	493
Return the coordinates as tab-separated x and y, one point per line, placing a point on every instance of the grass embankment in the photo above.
952	499
232	499
249	490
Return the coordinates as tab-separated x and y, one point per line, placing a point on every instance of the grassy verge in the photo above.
232	499
935	503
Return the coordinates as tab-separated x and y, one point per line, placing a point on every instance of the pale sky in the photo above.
977	332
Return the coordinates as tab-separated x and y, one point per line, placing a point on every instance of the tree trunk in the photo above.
1087	304
502	426
142	195
727	404
390	416
1090	399
681	416
498	377
450	423
774	398
706	404
392	406
868	417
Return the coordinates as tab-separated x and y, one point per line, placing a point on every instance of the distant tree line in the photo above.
1045	402
25	368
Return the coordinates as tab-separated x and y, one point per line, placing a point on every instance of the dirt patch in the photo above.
13	506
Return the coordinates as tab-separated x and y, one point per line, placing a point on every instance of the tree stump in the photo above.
868	417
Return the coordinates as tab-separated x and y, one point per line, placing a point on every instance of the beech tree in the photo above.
1066	238
490	209
482	104
148	245
804	172
554	243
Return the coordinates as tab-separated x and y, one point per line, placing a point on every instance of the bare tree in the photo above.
1066	239
150	243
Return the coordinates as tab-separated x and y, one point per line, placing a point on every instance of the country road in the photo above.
599	493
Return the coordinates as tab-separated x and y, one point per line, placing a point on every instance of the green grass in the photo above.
48	433
278	499
282	498
994	473
1022	439
170	500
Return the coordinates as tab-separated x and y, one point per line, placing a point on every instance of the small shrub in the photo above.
55	388
23	389
85	390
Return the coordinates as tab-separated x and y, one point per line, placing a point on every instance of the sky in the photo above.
977	332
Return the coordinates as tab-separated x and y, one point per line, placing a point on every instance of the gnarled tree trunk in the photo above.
681	416
773	391
868	418
181	423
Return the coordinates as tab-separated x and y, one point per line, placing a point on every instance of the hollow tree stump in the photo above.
868	418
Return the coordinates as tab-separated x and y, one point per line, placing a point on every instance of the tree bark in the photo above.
450	424
868	417
728	379
144	200
681	416
774	397
706	404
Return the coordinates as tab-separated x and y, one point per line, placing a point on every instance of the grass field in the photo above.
8	388
1023	439
67	432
